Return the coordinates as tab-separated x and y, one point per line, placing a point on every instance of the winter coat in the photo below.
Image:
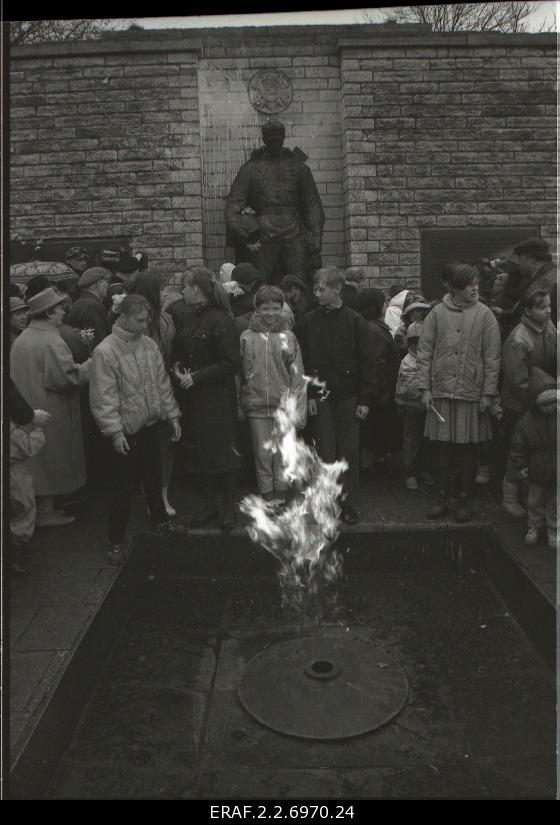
241	322
526	346
534	439
20	411
164	336
129	386
88	312
271	365
47	376
408	393
72	339
459	351
337	347
180	313
386	359
23	446
208	346
393	313
350	295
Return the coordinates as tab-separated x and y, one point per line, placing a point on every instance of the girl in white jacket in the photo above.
271	365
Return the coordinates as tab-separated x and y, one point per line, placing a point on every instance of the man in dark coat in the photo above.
535	261
278	188
88	311
337	349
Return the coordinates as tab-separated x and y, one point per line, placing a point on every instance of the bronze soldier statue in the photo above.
274	214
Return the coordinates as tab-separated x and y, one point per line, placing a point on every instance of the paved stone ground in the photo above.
67	579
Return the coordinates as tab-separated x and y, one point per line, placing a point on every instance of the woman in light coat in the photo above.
48	377
458	368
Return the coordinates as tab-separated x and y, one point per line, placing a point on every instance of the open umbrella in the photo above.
55	271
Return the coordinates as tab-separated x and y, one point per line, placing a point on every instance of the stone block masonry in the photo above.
102	146
140	134
460	136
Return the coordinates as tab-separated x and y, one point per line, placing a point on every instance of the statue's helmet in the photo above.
273	127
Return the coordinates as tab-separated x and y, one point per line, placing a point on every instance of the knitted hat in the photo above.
76	252
92	276
533	248
246	274
17	304
288	281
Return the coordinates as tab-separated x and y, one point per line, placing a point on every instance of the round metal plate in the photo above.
323	688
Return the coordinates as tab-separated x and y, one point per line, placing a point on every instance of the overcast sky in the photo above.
545	11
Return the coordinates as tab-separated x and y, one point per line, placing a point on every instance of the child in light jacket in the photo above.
408	398
533	455
271	366
24	444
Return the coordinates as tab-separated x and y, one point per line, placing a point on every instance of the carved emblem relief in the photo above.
270	91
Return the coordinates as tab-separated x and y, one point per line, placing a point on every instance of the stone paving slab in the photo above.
68	577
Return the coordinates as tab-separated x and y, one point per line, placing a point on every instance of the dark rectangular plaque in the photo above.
467	244
55	249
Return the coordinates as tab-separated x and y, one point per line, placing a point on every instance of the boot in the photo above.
510	501
440	507
209	510
228	517
532	537
463	510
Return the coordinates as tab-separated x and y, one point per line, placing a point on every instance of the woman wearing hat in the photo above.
48	377
18	318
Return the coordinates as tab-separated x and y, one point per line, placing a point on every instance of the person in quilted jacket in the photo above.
458	369
533	455
130	392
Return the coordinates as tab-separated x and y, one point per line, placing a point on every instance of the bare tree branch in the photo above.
510	17
23	32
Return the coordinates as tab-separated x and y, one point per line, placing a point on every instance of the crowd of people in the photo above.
116	377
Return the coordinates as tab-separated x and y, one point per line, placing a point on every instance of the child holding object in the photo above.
458	369
24	444
409	398
271	366
533	455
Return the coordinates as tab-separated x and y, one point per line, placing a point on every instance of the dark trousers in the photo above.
277	258
337	435
143	463
414	444
463	457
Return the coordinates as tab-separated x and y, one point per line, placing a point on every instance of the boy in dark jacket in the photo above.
337	349
533	454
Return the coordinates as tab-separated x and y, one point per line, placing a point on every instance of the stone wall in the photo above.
104	145
140	135
455	131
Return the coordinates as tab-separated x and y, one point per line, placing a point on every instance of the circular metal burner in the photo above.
323	688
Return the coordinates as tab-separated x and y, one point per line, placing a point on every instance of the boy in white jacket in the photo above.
129	393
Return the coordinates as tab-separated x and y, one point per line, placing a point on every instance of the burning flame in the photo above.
302	535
